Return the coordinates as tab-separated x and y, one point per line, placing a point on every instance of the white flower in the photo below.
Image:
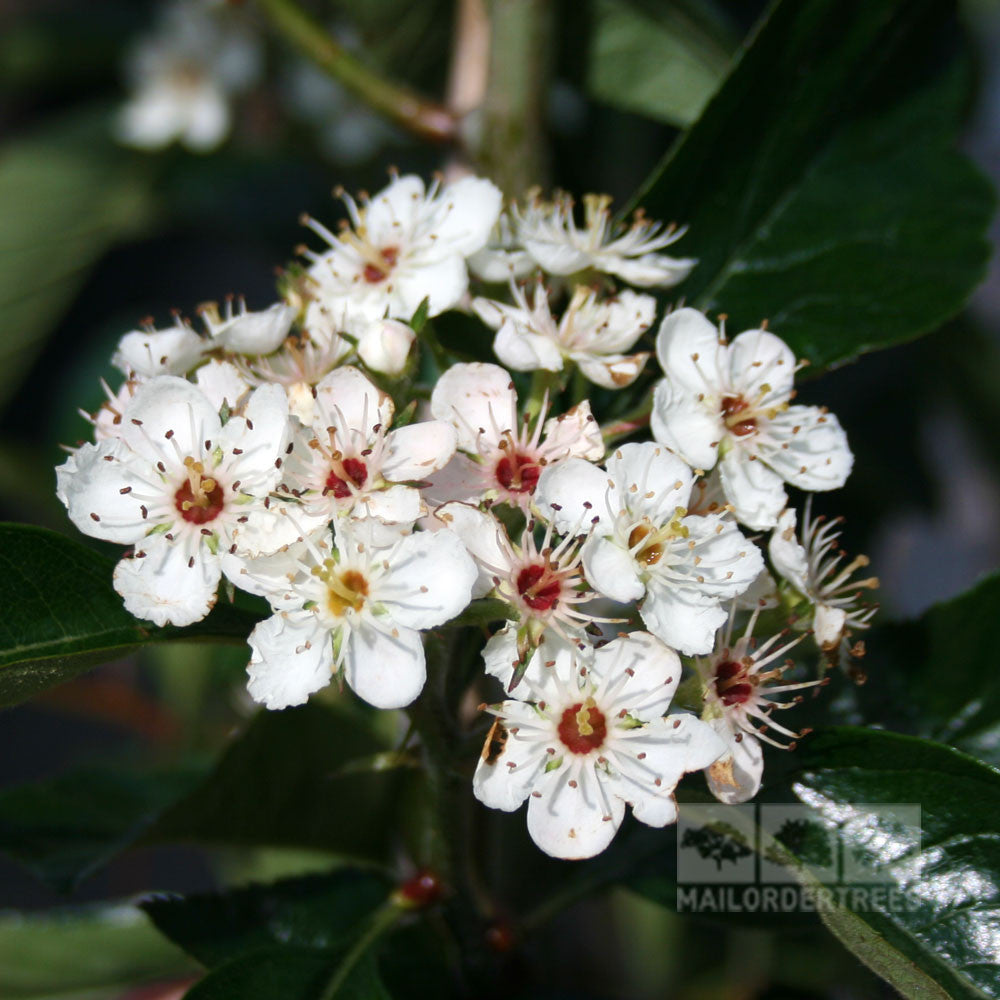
244	332
739	699
345	603
591	333
814	570
508	455
348	461
732	403
589	738
548	231
184	489
405	245
183	76
543	583
646	546
503	258
149	352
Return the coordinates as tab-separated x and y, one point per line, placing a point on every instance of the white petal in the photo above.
787	556
611	570
393	211
416	451
460	479
505	780
691	352
573	434
653	670
260	437
755	491
169	585
651	270
468	211
92	491
524	351
385	346
828	625
479	401
500	655
573	493
387	671
292	659
359	403
685	424
652	481
808	448
207	119
256	332
161	352
483	536
442	282
169	405
568	822
735	777
396	505
624	319
221	383
761	365
430	580
611	371
683	618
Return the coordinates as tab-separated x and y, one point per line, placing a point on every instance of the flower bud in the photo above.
385	346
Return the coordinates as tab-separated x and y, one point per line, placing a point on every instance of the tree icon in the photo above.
717	841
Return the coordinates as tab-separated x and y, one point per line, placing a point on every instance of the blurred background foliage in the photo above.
95	236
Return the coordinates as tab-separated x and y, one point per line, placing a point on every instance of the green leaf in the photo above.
936	937
658	62
291	974
67	194
821	185
277	785
318	911
105	948
62	615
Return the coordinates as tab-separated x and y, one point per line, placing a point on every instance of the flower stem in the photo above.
400	104
385	917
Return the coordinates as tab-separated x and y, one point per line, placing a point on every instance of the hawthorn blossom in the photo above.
349	461
731	403
739	699
404	245
645	546
245	332
543	584
548	231
813	569
591	333
586	737
346	604
506	454
183	76
185	489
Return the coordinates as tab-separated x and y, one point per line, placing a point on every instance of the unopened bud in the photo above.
385	346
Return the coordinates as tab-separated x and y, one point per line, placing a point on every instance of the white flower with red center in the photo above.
731	403
506	454
814	569
185	489
742	685
646	546
405	245
586	738
346	604
548	231
347	460
543	583
591	333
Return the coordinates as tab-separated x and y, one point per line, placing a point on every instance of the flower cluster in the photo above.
332	456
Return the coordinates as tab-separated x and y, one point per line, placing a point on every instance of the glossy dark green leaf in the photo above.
66	195
318	911
935	935
62	616
654	59
290	974
821	185
101	948
277	785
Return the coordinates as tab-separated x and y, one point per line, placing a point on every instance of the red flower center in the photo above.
518	473
583	728
539	588
204	507
733	683
732	408
374	273
355	474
